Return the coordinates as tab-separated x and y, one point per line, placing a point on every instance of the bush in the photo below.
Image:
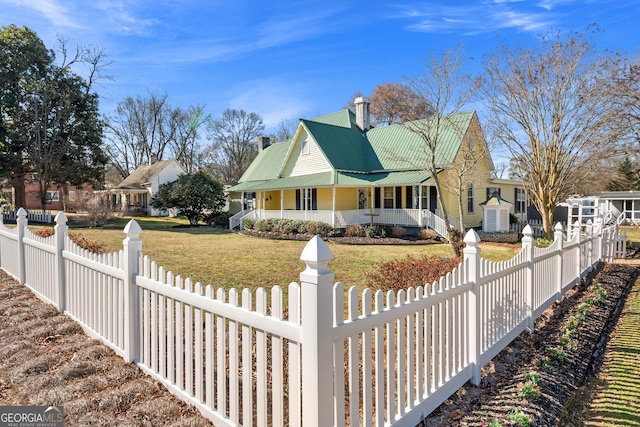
217	219
77	238
398	231
290	226
355	230
428	234
248	224
409	271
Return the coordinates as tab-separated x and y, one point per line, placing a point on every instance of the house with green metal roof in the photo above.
338	169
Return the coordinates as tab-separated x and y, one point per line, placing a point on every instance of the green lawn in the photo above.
617	403
226	259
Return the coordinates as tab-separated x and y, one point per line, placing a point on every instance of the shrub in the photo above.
290	226
248	224
355	230
541	242
557	353
216	219
528	390
320	228
77	238
398	231
370	231
532	377
518	418
428	234
409	271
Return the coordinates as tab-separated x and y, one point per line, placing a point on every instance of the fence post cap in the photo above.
316	251
22	213
61	218
471	237
527	231
132	229
558	227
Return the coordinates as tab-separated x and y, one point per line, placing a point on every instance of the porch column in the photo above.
420	205
333	206
242	201
281	203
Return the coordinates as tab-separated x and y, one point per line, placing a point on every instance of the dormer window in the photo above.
304	146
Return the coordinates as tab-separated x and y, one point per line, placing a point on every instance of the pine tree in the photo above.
628	178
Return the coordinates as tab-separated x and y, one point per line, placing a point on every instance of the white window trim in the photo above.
471	187
53	196
392	198
304	147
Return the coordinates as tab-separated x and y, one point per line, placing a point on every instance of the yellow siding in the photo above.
272	200
289	199
347	199
325	199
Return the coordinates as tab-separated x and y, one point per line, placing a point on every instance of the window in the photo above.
388	197
521	201
470	199
306	199
304	146
53	196
72	196
491	190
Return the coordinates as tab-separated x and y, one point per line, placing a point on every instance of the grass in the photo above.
226	259
618	401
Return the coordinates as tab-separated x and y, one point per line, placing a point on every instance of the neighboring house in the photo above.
55	198
619	206
339	170
134	193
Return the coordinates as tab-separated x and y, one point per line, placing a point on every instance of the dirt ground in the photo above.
46	359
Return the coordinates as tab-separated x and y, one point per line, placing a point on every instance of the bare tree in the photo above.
143	129
233	144
186	148
553	106
447	89
286	128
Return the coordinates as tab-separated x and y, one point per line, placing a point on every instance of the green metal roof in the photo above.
380	156
268	163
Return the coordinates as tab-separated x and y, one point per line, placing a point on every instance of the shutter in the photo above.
515	201
398	201
314	199
409	197
298	198
376	196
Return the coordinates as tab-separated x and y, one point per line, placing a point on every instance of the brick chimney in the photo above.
363	114
263	142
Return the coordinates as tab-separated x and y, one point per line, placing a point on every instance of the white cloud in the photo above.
479	17
54	12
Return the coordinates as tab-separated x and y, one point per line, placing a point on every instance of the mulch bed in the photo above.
46	359
343	240
497	395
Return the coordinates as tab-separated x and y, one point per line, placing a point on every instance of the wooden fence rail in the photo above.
306	356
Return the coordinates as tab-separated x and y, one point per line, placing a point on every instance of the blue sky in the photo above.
298	58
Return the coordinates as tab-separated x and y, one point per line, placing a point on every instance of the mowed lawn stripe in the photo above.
617	402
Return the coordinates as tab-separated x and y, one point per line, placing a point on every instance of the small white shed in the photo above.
495	214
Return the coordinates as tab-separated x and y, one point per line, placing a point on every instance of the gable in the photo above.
305	156
146	173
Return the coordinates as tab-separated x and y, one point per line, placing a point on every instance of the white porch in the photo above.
341	219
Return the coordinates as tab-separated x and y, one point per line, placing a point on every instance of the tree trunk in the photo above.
17	182
547	223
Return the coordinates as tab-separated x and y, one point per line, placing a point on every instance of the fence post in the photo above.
577	230
527	247
22	223
559	241
589	245
61	230
471	254
317	342
132	246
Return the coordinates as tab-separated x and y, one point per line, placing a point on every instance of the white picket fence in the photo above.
301	356
33	216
